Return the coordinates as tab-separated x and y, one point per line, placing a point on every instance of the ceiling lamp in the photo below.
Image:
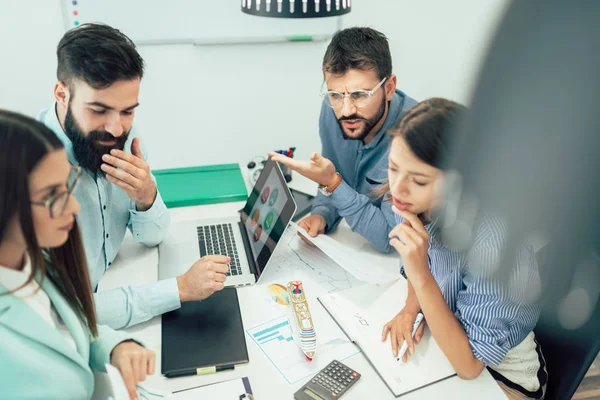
296	8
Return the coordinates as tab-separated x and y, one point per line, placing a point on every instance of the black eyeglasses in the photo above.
57	204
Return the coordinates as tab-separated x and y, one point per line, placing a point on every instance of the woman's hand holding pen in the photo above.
400	329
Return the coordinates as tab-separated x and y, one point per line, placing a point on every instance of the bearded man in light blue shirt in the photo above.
99	74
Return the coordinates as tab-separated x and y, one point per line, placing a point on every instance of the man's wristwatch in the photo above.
328	190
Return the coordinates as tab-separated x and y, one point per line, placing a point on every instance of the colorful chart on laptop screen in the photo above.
273	198
265	195
264	215
269	220
255	217
258	233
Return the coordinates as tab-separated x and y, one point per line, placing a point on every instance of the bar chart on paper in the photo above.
276	341
273	332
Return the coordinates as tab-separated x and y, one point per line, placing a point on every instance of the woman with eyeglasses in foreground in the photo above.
50	342
478	319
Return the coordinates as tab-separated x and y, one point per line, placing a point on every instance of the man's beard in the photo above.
368	125
88	152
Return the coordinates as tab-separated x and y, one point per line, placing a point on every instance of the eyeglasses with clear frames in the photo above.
58	203
360	98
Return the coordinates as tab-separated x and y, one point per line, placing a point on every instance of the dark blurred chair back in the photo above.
568	353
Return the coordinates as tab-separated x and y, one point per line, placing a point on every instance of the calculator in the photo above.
330	383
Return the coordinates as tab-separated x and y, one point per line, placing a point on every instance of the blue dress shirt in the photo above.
363	168
106	213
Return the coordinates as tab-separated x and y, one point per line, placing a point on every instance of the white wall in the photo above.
437	45
215	104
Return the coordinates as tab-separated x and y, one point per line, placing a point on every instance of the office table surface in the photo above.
137	265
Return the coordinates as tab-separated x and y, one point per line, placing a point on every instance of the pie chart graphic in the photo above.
269	220
273	198
265	195
279	294
255	217
257	233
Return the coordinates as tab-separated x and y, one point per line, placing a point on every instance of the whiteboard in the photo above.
193	21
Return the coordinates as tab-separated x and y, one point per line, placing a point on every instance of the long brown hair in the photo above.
24	143
427	129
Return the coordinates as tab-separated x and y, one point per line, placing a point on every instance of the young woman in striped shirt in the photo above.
477	319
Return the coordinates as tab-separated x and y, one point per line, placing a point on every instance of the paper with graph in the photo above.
349	259
276	341
294	256
275	337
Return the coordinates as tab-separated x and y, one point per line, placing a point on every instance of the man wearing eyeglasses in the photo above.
360	103
99	74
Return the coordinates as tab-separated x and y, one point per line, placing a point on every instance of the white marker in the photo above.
404	347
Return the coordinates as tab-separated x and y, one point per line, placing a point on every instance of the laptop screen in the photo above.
269	209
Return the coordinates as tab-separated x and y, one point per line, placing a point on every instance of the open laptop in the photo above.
249	238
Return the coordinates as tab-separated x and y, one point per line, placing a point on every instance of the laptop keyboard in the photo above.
219	240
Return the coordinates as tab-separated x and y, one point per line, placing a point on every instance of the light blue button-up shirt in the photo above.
106	213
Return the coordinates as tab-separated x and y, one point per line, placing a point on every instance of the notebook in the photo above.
361	312
209	184
202	334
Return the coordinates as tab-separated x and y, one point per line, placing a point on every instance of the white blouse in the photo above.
35	298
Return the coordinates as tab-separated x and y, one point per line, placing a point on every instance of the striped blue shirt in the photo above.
496	313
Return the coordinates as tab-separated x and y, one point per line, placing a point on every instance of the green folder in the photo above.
180	187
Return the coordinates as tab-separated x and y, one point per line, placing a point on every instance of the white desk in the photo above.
137	264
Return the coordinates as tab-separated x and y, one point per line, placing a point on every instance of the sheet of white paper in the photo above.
293	255
275	338
226	390
119	390
363	312
276	341
349	259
